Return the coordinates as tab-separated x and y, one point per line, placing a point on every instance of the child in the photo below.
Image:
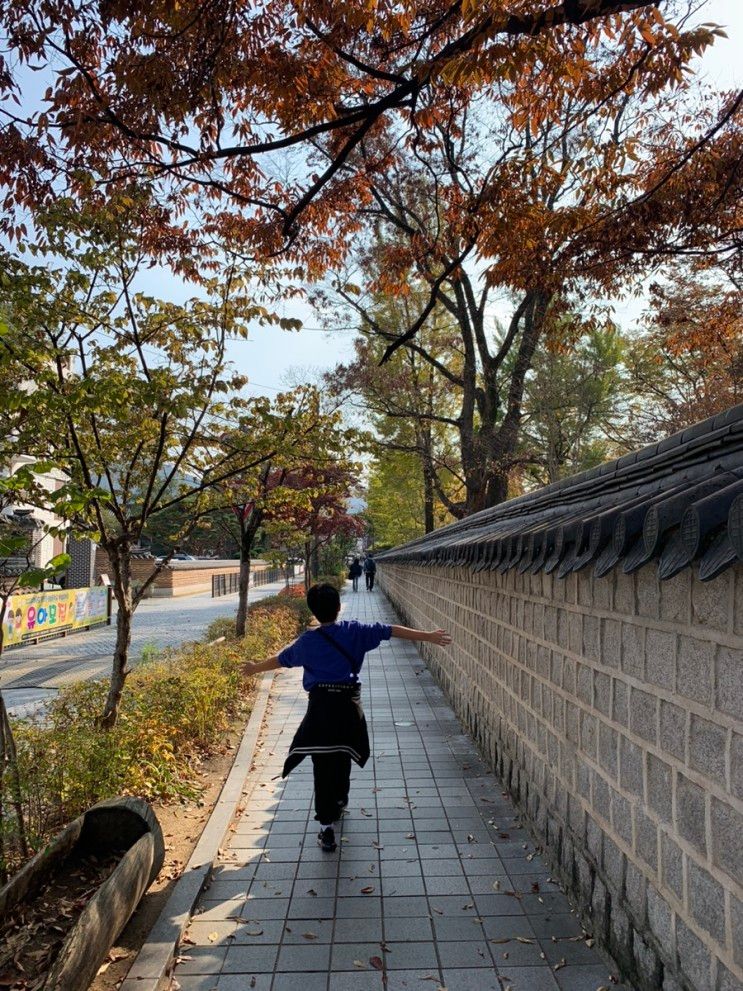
333	731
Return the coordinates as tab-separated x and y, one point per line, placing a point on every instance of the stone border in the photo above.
154	959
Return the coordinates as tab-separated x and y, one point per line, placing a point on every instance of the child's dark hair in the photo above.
324	602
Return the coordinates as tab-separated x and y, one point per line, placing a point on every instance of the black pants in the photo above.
370	580
332	780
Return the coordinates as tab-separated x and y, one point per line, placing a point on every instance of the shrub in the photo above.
175	710
337	581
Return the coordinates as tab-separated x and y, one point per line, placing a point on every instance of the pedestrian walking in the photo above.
354	573
370	570
333	731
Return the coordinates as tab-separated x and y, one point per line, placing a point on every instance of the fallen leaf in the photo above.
360	964
213	937
563	963
309	935
496	885
523	939
368	890
377	963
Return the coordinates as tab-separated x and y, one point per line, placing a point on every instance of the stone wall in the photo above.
613	709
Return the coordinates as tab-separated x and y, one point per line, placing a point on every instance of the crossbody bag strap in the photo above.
355	666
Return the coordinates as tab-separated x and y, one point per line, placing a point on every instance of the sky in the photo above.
272	357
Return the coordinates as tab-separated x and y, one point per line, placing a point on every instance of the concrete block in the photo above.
599	908
675	598
659	788
660	659
738	607
660	918
690	813
591	638
631	767
614	862
588	734
611	642
647	962
710	602
729	681
550	624
633	650
643	717
694	673
635	887
621	817
648	592
620	937
563	637
601	797
624	594
602	591
556	665
575	632
602	692
736	765
673	729
646	840
727	839
585	683
608	749
620	702
706	902
584	879
569	676
727	981
672	866
736	922
707	747
594	839
694	957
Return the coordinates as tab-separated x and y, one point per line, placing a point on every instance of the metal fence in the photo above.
227	584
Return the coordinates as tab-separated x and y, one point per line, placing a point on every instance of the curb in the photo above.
154	959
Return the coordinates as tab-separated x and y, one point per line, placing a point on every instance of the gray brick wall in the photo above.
613	709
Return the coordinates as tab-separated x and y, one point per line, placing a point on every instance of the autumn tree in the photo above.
127	395
201	98
501	203
686	363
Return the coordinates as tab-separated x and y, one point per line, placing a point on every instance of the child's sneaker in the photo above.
326	839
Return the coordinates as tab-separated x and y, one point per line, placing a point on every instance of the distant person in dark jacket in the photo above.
333	731
370	570
354	573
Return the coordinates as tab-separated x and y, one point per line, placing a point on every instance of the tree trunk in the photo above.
241	621
120	558
307	564
428	500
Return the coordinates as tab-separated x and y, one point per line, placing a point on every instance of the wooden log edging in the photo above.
155	959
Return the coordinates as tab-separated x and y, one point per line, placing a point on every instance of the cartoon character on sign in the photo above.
81	602
31	618
14	622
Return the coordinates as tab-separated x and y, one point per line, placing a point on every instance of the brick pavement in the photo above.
433	878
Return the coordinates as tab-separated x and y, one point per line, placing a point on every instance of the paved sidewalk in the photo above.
30	675
433	879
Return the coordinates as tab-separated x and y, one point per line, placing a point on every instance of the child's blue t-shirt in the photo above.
322	662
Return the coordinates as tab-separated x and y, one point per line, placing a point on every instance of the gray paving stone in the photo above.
250	960
434	835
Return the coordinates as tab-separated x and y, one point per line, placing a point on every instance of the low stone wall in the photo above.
613	709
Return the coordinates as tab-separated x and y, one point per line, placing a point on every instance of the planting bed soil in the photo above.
33	932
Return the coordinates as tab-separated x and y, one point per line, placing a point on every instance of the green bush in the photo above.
337	581
175	710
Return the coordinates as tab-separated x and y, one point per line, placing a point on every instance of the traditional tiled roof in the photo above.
678	501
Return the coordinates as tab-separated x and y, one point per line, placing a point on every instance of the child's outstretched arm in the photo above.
270	664
440	637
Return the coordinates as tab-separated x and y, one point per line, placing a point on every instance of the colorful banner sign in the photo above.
41	614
